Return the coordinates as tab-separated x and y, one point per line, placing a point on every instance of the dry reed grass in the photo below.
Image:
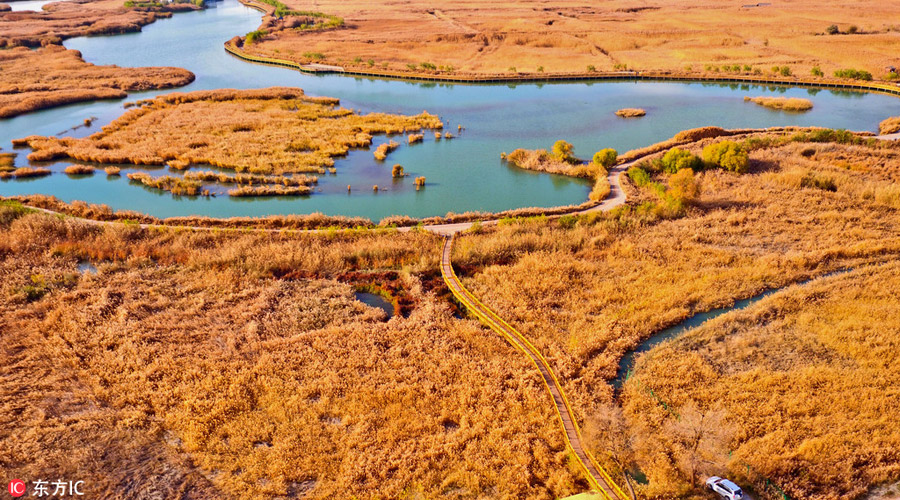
466	37
383	150
587	289
250	179
276	190
112	171
25	173
793	104
186	353
7	162
71	19
178	186
826	351
889	126
52	76
540	160
79	170
631	112
264	131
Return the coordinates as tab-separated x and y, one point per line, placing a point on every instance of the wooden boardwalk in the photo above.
597	477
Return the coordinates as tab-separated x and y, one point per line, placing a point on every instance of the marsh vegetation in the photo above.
586	289
794	104
52	76
270	131
630	113
205	361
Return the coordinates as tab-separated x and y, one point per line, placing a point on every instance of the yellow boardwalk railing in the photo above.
596	475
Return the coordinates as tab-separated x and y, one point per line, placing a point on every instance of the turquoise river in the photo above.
463	174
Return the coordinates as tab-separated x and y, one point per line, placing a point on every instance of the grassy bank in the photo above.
204	362
263	132
587	289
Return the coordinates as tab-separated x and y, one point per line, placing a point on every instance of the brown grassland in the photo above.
807	379
587	289
226	364
202	365
52	76
266	131
510	37
61	20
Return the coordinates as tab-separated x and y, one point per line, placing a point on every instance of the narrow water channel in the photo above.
375	300
462	175
626	364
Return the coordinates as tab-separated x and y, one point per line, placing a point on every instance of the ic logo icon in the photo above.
17	488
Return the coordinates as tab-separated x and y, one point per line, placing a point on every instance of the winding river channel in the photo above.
463	174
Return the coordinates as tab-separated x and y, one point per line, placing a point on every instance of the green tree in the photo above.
728	155
606	157
832	30
676	159
563	151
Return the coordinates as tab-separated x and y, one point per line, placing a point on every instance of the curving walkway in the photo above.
598	478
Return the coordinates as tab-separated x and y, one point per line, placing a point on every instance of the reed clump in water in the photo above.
383	150
79	170
792	104
397	171
631	112
25	173
414	138
175	185
270	190
269	131
7	162
251	179
112	171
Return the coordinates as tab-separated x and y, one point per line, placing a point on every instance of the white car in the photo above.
725	488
